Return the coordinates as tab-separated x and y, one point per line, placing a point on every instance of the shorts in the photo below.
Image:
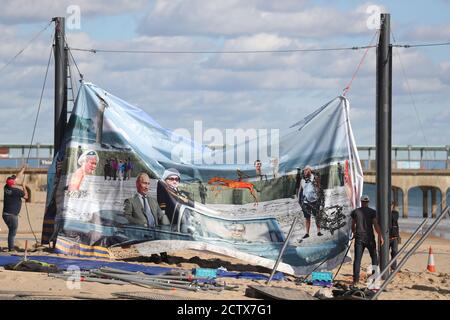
309	209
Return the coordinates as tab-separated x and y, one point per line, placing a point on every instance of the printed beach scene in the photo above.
225	151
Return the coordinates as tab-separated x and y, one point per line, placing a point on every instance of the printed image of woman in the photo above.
88	163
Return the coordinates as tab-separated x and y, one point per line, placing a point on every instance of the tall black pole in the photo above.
60	119
383	143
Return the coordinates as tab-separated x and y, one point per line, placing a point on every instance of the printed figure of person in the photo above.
125	170
364	220
141	209
340	171
348	183
121	170
170	197
12	203
88	163
308	198
129	168
203	192
114	166
107	169
258	170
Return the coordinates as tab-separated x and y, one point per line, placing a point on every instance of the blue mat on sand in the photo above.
86	265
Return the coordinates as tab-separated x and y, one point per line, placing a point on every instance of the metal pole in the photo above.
410	253
60	82
383	137
280	255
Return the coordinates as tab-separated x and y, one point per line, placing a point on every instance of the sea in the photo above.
415	214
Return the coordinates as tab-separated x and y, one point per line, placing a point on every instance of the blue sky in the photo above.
233	91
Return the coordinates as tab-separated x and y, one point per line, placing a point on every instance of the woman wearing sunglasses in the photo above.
170	197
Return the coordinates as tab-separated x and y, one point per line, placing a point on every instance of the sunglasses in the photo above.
173	179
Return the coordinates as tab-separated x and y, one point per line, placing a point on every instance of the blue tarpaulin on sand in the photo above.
86	265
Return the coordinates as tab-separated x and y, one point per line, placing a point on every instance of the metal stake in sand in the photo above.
26	251
412	250
282	250
403	248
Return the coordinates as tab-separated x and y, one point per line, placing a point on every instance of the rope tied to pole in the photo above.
32	136
347	88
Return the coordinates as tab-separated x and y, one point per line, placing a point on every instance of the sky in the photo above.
230	91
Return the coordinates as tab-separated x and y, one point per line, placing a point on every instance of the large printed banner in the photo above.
120	178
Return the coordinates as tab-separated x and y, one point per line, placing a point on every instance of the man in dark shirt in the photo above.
394	234
364	219
12	204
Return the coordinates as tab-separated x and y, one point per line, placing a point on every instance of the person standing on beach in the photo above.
12	204
364	219
394	234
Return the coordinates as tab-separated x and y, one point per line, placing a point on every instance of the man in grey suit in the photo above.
141	209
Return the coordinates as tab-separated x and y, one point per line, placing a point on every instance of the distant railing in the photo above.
403	157
409	157
371	165
15	155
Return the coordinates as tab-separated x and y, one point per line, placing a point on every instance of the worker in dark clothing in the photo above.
12	203
364	219
394	234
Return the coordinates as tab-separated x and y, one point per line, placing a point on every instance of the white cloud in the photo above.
429	33
233	18
425	85
29	11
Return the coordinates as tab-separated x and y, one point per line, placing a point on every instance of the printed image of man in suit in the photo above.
141	209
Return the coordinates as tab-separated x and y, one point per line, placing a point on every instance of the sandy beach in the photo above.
413	282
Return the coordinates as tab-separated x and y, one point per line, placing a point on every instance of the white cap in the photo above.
365	198
87	154
171	172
